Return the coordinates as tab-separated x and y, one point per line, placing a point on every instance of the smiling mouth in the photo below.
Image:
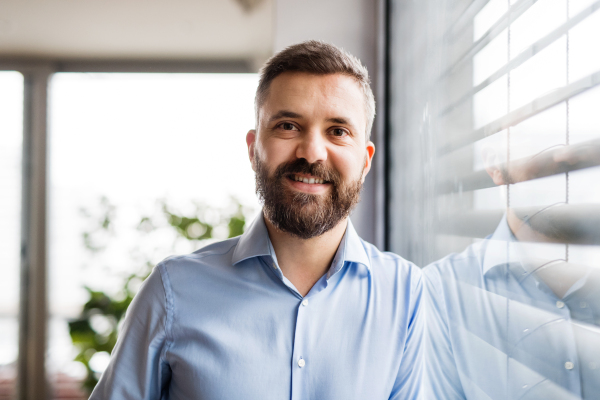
305	179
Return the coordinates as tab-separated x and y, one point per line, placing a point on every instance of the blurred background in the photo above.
122	129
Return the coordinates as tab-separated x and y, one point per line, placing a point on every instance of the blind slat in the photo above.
560	223
522	113
527	54
552	162
514	12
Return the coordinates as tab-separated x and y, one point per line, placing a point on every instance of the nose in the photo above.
312	147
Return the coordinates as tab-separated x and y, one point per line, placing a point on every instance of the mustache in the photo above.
301	166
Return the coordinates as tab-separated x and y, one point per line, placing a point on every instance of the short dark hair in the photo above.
319	58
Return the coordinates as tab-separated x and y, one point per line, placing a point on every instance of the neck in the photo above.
304	261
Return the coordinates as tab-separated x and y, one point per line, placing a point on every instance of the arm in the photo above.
441	380
137	369
408	381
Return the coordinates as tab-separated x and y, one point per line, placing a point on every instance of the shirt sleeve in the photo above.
441	380
137	369
408	383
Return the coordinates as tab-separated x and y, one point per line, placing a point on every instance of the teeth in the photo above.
308	180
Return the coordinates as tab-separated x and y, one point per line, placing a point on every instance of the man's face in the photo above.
310	152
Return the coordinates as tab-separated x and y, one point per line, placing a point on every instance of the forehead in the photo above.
316	94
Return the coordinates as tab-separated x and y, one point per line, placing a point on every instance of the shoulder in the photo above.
215	254
200	267
465	266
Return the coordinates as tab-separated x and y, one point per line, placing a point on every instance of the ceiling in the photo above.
136	29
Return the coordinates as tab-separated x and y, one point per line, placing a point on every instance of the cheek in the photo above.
277	150
274	153
350	164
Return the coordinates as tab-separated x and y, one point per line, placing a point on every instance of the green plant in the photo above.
95	331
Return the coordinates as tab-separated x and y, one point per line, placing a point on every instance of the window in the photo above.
127	143
11	131
493	113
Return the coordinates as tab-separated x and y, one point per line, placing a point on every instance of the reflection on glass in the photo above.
516	316
120	145
11	137
540	133
514	310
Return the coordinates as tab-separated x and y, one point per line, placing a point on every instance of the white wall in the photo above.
131	29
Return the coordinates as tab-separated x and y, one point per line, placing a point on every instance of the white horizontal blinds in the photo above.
509	123
535	73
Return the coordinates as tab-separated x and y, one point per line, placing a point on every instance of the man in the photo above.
512	317
299	306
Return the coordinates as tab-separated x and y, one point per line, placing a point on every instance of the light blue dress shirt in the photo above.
225	323
495	331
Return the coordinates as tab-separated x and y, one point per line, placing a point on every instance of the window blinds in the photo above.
502	84
495	111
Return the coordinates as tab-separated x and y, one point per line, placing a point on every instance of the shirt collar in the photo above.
501	247
351	249
255	242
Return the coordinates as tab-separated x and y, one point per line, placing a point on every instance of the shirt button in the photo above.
560	304
301	363
583	304
305	302
569	365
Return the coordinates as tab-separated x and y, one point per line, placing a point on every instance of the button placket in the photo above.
299	362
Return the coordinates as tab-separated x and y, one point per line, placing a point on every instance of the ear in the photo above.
368	159
251	142
492	166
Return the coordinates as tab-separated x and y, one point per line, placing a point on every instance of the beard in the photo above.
305	215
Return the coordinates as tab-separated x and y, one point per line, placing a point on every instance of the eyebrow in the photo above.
284	114
339	120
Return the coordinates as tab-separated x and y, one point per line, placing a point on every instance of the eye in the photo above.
339	132
286	126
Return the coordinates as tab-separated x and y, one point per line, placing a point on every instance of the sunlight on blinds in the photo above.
494	164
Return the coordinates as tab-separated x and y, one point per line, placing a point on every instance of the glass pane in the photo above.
503	213
539	20
491	58
488	16
584	57
130	156
11	137
539	75
490	103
